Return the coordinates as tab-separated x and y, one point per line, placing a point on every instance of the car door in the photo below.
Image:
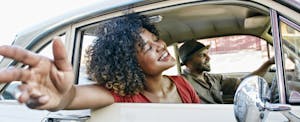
286	41
145	112
174	112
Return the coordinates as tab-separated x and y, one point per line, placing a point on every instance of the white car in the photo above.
242	35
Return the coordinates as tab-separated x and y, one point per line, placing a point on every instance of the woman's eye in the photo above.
147	47
155	38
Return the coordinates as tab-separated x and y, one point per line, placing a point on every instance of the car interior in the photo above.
220	23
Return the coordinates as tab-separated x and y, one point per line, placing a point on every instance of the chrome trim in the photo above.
290	23
292	117
278	56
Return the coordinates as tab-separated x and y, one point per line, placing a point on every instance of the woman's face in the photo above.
153	56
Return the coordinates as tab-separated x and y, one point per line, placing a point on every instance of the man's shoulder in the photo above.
213	75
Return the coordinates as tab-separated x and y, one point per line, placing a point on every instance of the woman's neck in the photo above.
157	84
161	89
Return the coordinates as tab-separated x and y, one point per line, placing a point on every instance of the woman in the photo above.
127	60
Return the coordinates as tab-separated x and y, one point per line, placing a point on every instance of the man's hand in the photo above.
46	83
271	61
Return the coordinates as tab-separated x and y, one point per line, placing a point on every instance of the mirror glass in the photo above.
250	98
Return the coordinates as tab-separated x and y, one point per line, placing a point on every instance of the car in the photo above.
241	34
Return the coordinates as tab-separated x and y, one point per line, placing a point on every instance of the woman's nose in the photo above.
160	45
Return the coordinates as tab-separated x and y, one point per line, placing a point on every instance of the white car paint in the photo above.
128	112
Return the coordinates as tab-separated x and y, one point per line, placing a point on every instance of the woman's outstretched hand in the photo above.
46	83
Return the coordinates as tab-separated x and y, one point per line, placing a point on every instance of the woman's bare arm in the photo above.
48	84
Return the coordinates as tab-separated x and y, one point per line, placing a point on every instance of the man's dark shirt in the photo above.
214	88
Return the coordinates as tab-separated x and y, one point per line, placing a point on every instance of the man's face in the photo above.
199	61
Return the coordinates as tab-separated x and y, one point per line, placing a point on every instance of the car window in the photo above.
88	39
237	54
11	90
83	76
47	50
291	46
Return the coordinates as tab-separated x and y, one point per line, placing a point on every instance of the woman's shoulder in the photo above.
177	79
185	89
174	76
137	98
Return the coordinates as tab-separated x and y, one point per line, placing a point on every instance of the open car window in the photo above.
244	54
237	54
88	38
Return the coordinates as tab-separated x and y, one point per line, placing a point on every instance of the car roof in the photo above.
198	21
203	19
39	30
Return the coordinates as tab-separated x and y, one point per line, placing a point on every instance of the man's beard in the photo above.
205	67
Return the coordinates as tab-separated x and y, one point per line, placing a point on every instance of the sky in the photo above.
19	14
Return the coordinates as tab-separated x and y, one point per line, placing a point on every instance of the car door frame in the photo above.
277	46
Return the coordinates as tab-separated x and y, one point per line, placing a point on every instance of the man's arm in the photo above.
261	71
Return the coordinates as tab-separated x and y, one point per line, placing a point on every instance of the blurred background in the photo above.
18	14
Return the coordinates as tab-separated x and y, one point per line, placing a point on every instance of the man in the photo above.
210	87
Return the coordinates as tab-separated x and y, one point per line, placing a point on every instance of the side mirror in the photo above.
251	100
297	69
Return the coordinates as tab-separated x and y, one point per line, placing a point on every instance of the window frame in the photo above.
296	27
276	18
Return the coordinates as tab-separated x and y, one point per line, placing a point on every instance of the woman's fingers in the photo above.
62	75
20	54
32	97
43	99
14	74
23	56
44	79
60	55
37	103
34	93
23	97
22	94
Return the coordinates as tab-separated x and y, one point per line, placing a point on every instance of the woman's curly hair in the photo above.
112	58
